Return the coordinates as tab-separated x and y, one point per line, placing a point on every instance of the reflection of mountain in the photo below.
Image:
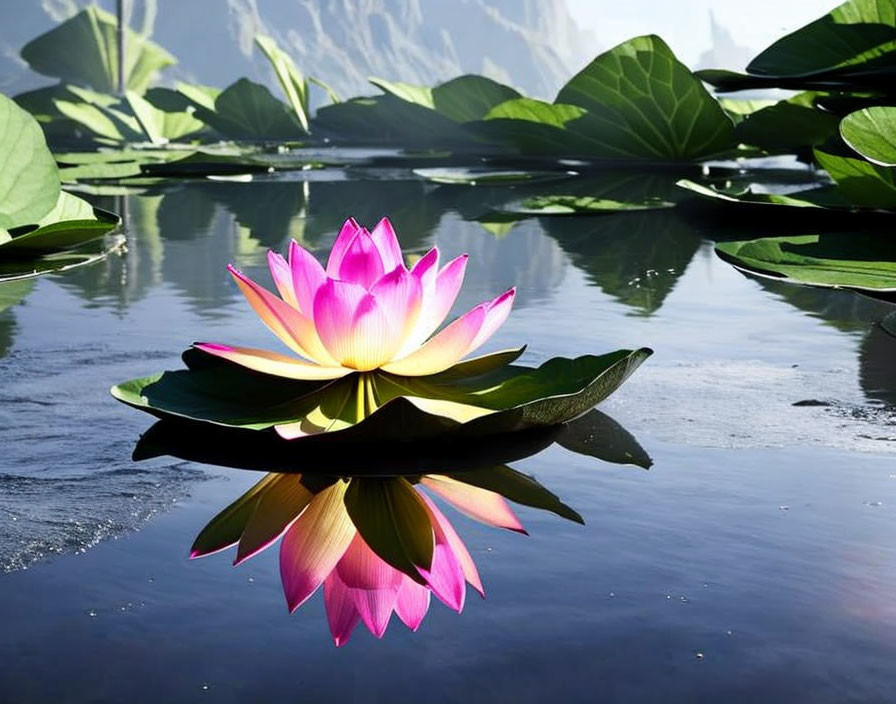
533	44
635	257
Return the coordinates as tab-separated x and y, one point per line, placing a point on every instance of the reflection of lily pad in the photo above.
494	400
473	177
12	293
580	205
58	262
855	261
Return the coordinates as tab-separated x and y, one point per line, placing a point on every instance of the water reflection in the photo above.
184	234
11	294
361	522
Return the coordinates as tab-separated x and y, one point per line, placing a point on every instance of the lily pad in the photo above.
497	400
84	50
642	103
821	197
476	176
561	204
16	268
860	182
863	262
872	133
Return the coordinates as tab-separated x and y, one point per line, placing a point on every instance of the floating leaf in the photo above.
29	182
467	98
643	103
476	176
503	399
821	197
84	50
560	204
864	262
872	133
70	224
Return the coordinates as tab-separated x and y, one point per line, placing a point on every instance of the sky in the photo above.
684	24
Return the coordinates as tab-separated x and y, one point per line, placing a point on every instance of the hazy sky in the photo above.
684	24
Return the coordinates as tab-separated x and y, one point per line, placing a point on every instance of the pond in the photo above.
754	558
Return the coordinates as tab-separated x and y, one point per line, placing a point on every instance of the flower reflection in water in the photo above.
370	535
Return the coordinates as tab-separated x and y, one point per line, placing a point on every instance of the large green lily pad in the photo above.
29	182
480	398
642	103
84	50
863	262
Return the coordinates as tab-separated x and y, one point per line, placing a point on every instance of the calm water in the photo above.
755	561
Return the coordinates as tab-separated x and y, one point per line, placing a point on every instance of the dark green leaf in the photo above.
860	182
394	522
517	487
84	50
643	103
597	435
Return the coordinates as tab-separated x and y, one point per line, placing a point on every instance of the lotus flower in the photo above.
322	545
365	311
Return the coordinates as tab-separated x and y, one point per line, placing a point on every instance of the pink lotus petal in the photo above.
273	363
354	328
497	313
446	576
471	574
386	242
412	603
347	234
440	289
372	584
307	277
294	329
282	276
342	616
444	349
361	263
281	503
483	505
314	544
399	295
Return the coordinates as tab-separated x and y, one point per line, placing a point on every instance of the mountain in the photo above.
532	44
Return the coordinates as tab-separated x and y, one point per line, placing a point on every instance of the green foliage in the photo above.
84	50
872	133
857	261
496	400
643	103
29	181
860	182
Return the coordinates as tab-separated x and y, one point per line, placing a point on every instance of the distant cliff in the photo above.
531	44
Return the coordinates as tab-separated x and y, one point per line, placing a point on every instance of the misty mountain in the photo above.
532	44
